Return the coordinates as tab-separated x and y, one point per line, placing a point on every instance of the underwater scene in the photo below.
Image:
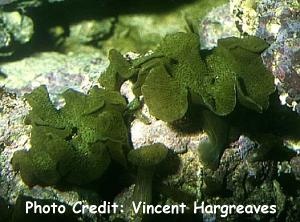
149	110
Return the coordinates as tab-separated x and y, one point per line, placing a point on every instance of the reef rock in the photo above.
56	70
14	135
15	30
277	22
217	24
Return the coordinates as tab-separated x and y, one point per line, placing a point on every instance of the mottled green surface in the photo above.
232	71
224	92
148	156
72	144
117	72
243	57
159	89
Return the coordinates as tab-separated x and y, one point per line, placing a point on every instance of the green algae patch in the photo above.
73	144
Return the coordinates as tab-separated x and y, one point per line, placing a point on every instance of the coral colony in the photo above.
76	143
85	153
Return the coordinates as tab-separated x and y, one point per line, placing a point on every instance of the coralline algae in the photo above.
278	22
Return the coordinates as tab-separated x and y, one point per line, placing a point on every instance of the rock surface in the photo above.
14	135
55	70
15	30
217	24
82	60
278	22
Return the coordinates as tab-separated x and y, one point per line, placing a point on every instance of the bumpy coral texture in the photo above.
76	143
178	72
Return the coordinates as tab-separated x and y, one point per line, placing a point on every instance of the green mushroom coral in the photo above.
254	82
159	89
217	129
76	143
178	74
118	70
220	86
146	159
